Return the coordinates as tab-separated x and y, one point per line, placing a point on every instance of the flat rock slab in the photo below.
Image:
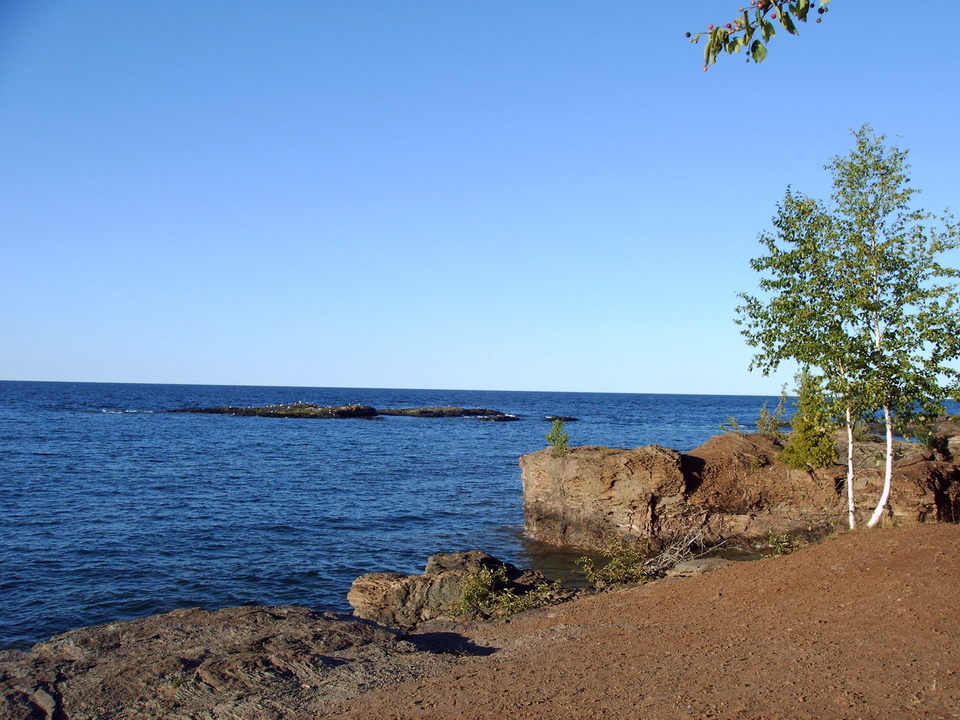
244	662
697	566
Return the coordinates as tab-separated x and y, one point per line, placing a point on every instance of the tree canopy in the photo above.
857	288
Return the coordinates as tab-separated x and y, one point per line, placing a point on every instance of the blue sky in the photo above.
424	193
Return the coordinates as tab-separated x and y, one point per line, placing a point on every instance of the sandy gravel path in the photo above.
863	625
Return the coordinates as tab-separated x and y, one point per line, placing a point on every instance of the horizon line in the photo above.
358	387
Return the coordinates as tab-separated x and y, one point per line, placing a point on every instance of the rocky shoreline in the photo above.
263	662
292	662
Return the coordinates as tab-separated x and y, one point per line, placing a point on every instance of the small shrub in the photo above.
782	544
488	593
558	438
624	563
772	423
924	432
732	426
758	461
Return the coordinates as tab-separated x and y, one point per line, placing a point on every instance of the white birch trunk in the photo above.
887	472
851	508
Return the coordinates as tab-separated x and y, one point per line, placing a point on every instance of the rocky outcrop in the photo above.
587	495
291	410
242	662
442	411
309	410
732	486
405	600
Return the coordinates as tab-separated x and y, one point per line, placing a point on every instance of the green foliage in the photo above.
772	423
624	563
782	544
923	431
740	33
731	425
905	312
488	593
810	444
558	438
857	289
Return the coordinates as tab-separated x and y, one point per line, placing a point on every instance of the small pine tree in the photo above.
810	445
558	438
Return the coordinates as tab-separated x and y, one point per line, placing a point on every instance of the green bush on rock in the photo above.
488	593
624	563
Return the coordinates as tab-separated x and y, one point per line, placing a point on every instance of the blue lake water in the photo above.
113	508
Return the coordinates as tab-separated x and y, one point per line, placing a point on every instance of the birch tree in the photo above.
804	311
858	290
905	310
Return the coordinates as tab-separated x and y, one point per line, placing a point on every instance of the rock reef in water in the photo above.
310	410
731	487
443	411
291	410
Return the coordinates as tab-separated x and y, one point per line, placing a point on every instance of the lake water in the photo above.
113	508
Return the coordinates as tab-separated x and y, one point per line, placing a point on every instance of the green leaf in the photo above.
758	51
787	22
802	8
768	30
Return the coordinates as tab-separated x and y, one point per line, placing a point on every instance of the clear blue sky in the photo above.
483	194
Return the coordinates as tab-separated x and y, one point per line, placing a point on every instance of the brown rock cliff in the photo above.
733	487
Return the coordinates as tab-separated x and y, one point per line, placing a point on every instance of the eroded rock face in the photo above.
590	494
732	487
242	662
405	600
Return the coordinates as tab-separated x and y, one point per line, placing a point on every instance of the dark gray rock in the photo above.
442	411
291	410
406	600
272	663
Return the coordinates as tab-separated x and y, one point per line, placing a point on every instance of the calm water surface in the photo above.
113	508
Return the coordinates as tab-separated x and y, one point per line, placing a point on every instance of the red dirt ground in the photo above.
862	625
